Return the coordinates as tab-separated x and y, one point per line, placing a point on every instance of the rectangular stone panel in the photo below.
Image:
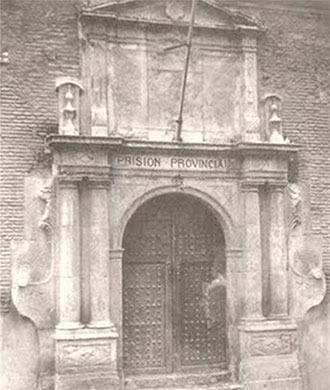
221	95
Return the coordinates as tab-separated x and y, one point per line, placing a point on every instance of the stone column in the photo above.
278	255
69	255
98	249
252	254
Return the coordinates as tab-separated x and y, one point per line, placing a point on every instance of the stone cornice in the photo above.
62	143
132	19
117	11
300	5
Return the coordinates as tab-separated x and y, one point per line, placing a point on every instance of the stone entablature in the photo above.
257	162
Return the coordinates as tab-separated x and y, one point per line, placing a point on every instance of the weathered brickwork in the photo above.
42	42
294	62
41	37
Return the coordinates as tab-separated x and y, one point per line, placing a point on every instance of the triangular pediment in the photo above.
208	14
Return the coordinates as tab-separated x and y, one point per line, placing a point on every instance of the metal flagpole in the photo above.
179	121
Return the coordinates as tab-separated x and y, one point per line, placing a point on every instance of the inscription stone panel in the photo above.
129	161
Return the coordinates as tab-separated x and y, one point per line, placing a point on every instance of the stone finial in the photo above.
273	121
69	90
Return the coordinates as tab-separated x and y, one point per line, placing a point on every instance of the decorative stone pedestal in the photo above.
86	359
269	355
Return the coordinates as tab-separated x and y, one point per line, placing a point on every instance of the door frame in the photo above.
172	294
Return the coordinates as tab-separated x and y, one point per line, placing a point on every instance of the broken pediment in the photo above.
209	14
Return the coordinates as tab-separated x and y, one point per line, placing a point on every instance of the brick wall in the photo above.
42	41
294	61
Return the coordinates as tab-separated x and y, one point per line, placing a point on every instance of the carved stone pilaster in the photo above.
251	117
252	253
98	249
278	254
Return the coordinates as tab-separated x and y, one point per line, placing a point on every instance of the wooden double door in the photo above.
174	293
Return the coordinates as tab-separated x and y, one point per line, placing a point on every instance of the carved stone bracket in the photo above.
307	280
295	205
251	117
47	196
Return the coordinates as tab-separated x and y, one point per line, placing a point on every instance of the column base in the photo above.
86	359
269	358
69	326
102	325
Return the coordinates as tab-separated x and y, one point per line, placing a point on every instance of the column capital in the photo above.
98	181
251	186
68	181
277	186
93	175
249	43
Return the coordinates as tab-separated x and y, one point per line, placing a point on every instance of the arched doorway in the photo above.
174	295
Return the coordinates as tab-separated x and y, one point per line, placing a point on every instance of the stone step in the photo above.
211	380
222	386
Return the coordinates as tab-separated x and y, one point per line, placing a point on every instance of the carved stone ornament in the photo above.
295	206
307	281
69	90
175	10
273	120
46	195
31	291
277	344
74	356
307	277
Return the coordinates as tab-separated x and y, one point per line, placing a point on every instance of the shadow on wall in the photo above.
19	348
316	346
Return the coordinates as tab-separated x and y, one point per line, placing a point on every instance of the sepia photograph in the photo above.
165	195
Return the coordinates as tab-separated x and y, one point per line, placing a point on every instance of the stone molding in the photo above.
116	254
111	10
96	176
61	142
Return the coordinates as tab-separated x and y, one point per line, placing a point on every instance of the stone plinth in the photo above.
269	356
86	360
